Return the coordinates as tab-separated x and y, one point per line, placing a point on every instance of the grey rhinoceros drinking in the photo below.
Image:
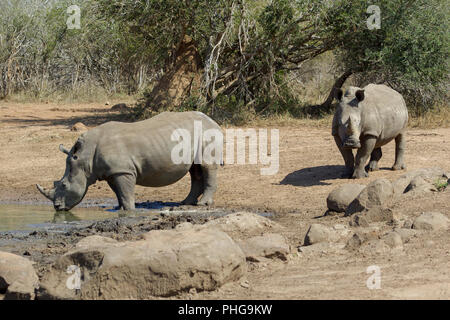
367	119
126	154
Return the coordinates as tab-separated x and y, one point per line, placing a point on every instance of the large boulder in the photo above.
339	199
164	263
18	278
431	221
419	185
378	193
269	245
417	179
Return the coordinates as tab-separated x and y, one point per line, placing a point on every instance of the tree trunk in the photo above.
337	85
181	78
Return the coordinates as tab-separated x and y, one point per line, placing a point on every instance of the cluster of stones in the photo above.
163	263
371	204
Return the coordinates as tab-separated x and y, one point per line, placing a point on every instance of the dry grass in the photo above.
438	117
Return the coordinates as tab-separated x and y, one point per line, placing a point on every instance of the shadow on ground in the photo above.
151	205
90	120
313	176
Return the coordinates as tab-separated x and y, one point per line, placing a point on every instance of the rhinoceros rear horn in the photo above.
338	93
49	194
61	147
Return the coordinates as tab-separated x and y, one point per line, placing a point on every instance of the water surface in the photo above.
30	217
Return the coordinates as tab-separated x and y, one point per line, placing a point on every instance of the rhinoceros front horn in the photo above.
49	194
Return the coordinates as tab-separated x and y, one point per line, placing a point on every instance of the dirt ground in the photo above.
310	167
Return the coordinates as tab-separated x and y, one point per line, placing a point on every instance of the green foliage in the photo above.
247	48
441	185
409	52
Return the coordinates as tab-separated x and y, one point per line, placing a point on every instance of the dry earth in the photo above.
310	167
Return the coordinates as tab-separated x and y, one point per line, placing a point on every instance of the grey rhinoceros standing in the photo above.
142	153
367	119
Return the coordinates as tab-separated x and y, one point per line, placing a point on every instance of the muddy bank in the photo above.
45	244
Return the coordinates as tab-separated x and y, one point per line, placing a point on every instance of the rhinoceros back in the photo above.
144	148
384	112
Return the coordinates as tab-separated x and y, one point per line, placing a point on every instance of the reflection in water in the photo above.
31	217
64	216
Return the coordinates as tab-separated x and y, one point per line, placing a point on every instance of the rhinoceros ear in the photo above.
359	95
338	93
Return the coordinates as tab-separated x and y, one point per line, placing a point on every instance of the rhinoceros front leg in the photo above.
349	159
367	146
123	186
400	143
196	185
374	158
209	183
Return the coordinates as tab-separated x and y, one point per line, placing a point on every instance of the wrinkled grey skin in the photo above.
126	154
367	119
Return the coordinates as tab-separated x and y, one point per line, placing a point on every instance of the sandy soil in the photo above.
310	167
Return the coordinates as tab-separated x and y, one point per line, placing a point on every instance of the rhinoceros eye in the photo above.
75	157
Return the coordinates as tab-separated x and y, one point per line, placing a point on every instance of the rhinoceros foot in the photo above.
373	166
359	174
396	167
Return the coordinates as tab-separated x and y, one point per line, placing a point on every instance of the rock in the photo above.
393	239
269	245
375	214
377	193
361	237
406	234
431	221
18	279
119	107
419	185
320	233
408	224
317	233
164	263
79	127
430	175
242	225
339	199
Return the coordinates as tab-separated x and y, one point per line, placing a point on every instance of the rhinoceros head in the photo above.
70	190
349	116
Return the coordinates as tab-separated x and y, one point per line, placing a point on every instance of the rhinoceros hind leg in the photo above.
123	186
367	146
349	159
400	144
210	184
196	185
374	158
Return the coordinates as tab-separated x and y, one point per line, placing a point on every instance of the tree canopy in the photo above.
222	56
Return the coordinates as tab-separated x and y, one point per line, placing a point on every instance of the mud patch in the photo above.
46	244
